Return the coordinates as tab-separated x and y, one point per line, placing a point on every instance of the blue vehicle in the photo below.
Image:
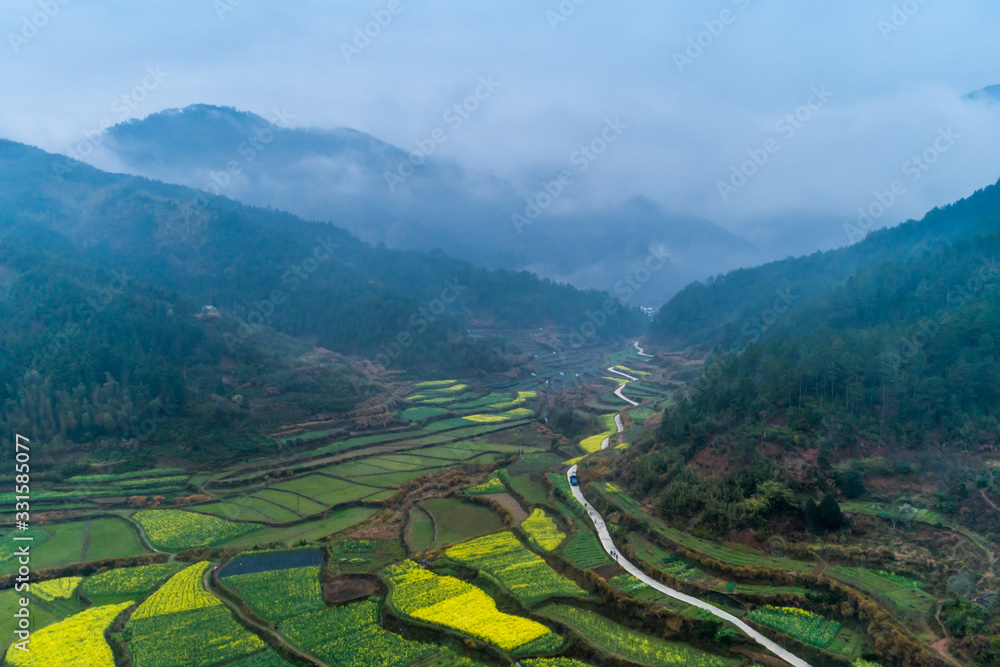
574	481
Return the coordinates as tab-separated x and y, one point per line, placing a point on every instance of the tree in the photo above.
852	484
828	514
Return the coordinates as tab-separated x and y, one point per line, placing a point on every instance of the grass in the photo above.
800	624
622	642
420	530
422	413
457	520
337	521
112	538
905	596
529	486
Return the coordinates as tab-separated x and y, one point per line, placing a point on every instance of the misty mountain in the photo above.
744	306
374	190
990	94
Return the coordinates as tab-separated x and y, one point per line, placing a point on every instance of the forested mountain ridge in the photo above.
724	311
411	197
352	297
106	339
882	391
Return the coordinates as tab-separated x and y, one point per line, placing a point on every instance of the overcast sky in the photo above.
888	83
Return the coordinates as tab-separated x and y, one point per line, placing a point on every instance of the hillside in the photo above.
730	309
106	279
352	179
866	404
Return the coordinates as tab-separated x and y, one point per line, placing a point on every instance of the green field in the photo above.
585	551
207	636
420	529
803	625
457	520
422	413
350	636
618	640
337	521
280	594
523	574
530	486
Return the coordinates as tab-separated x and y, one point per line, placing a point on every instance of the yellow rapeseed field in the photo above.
56	589
542	530
454	604
77	641
183	592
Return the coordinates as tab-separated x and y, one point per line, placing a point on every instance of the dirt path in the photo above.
258	628
510	504
989	501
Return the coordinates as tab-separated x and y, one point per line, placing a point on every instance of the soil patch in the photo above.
349	587
511	505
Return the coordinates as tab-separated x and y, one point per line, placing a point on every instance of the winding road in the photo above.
641	352
605	536
618	391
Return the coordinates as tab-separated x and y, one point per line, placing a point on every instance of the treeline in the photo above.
736	308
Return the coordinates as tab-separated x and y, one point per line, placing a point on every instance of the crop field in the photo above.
265	511
176	530
594	442
271	562
207	636
628	584
523	574
490	486
77	641
264	658
350	636
280	594
419	530
734	554
905	595
457	520
112	538
290	501
585	551
62	544
456	605
56	589
527	485
803	625
553	662
182	592
422	413
130	581
542	531
337	521
618	640
42	615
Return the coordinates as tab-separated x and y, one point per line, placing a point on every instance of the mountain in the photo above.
122	297
990	94
864	394
740	307
373	190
